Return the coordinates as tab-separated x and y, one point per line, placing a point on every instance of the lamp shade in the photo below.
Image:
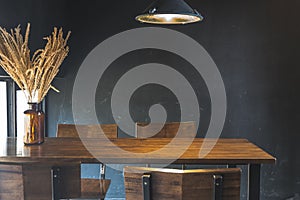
169	12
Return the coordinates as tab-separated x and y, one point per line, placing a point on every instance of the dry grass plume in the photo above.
33	75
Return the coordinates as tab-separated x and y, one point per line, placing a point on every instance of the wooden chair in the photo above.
168	130
90	131
172	184
90	188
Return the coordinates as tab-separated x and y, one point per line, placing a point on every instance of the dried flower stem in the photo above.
33	76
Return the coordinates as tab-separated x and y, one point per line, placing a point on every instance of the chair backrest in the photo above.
173	184
166	130
90	131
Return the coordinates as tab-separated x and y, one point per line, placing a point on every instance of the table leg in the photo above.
253	181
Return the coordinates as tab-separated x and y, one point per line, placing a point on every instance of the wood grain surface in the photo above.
87	130
173	184
129	150
33	182
166	130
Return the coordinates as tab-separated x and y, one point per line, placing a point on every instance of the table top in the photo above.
129	150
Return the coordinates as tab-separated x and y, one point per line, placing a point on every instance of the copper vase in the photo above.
34	124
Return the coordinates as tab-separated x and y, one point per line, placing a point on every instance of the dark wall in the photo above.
254	43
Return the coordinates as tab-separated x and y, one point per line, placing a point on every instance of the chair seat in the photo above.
94	188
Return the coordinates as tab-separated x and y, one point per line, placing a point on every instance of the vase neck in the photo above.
35	106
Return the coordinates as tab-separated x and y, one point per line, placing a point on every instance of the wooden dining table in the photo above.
56	162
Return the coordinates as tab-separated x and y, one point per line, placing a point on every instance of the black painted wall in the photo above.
255	44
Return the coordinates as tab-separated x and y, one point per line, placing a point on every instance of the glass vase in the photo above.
34	124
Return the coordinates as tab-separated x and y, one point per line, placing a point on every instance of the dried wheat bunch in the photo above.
33	76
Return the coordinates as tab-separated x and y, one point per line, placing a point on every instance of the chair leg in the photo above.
146	181
218	184
55	179
102	171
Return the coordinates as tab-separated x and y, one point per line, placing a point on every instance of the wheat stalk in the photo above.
33	76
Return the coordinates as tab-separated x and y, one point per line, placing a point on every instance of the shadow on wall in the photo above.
295	197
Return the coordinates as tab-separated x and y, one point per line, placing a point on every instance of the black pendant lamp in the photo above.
169	12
